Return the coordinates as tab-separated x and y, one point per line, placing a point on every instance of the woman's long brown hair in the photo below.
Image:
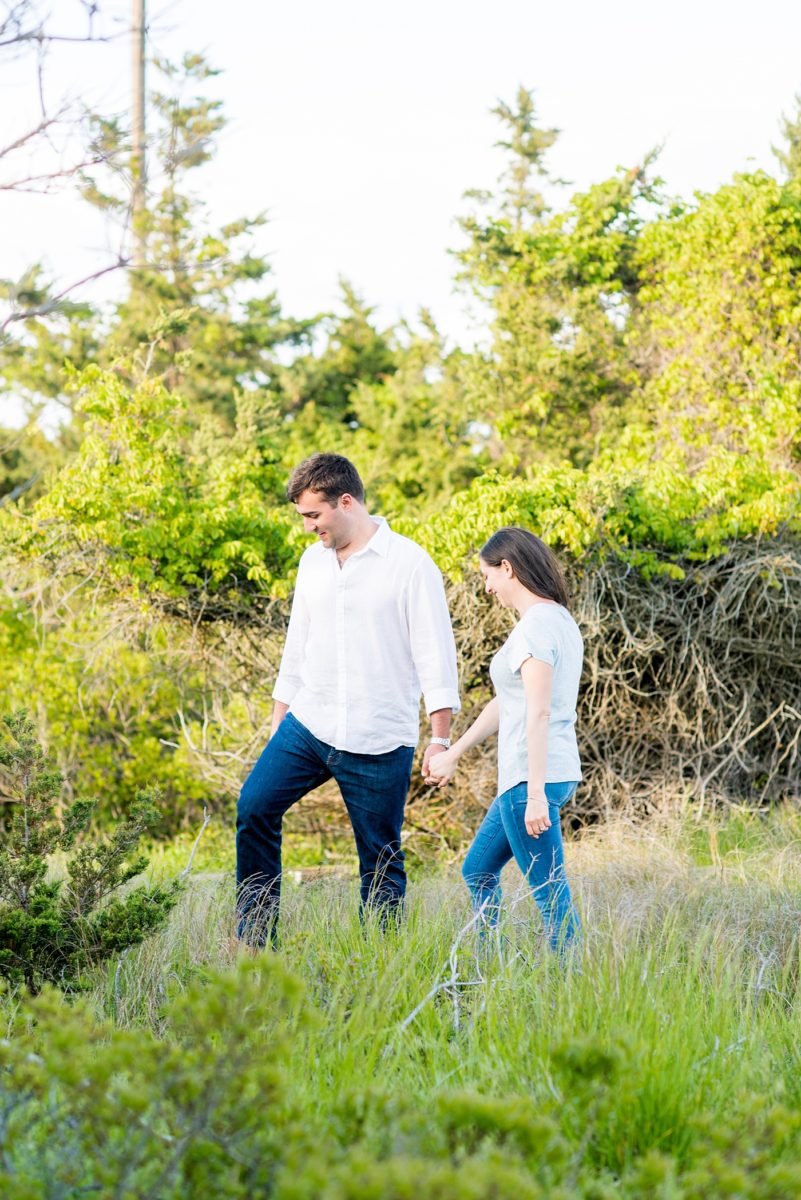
533	563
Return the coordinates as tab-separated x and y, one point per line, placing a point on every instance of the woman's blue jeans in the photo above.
502	836
374	788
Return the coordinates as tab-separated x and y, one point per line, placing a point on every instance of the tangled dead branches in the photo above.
690	688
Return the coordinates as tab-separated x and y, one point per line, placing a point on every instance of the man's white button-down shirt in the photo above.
364	640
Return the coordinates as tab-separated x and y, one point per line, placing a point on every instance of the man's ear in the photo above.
345	501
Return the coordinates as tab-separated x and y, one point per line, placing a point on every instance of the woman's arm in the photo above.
441	768
537	679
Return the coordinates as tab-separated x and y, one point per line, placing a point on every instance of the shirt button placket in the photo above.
342	662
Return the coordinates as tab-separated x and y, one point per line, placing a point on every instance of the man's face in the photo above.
329	521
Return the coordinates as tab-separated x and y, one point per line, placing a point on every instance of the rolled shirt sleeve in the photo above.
528	641
431	639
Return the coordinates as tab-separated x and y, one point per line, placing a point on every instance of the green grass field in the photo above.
356	1065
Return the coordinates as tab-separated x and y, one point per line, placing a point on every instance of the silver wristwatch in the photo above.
446	742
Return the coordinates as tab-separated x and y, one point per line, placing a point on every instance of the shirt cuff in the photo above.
285	690
442	698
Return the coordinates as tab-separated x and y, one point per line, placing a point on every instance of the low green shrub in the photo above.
218	1107
90	1109
52	930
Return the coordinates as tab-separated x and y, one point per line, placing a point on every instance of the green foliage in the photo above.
655	519
400	392
162	503
111	720
789	154
718	325
51	931
317	388
558	291
527	146
193	1116
32	357
419	407
26	459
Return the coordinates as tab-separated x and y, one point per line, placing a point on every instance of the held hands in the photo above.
439	768
536	817
439	765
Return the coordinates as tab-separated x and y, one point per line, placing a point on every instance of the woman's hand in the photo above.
537	817
441	768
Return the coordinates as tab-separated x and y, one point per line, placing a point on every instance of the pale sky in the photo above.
358	125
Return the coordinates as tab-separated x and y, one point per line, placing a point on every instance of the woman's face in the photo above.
498	581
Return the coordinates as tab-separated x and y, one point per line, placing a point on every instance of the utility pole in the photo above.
138	160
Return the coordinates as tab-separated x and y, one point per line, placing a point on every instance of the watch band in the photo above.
446	742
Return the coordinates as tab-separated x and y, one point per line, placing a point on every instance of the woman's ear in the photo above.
507	568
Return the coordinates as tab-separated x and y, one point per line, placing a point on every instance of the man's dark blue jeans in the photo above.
374	788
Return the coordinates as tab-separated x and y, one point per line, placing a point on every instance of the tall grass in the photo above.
684	1005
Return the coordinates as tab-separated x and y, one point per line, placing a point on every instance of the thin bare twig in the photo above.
187	869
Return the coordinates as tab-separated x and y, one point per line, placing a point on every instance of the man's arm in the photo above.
485	725
289	680
279	712
440	727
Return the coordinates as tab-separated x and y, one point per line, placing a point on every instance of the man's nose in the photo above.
308	525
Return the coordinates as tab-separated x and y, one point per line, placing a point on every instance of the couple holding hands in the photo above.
368	632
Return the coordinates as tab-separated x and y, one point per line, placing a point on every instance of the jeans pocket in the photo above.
558	794
516	795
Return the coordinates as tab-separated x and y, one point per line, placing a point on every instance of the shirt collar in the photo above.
380	540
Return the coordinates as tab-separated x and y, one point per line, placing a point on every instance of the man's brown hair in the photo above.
332	475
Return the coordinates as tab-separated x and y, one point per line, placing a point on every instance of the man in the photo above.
369	629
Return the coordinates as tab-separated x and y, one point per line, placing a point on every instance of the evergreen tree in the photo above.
230	322
26	457
51	931
517	199
789	155
419	409
33	352
560	288
527	144
316	389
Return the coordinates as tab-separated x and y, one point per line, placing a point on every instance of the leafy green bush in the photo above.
111	722
161	502
96	1109
51	931
655	518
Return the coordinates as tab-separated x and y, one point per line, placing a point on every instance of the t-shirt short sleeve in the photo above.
529	641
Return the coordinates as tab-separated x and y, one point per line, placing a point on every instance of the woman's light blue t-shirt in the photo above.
546	632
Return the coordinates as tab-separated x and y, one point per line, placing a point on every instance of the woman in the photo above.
536	678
